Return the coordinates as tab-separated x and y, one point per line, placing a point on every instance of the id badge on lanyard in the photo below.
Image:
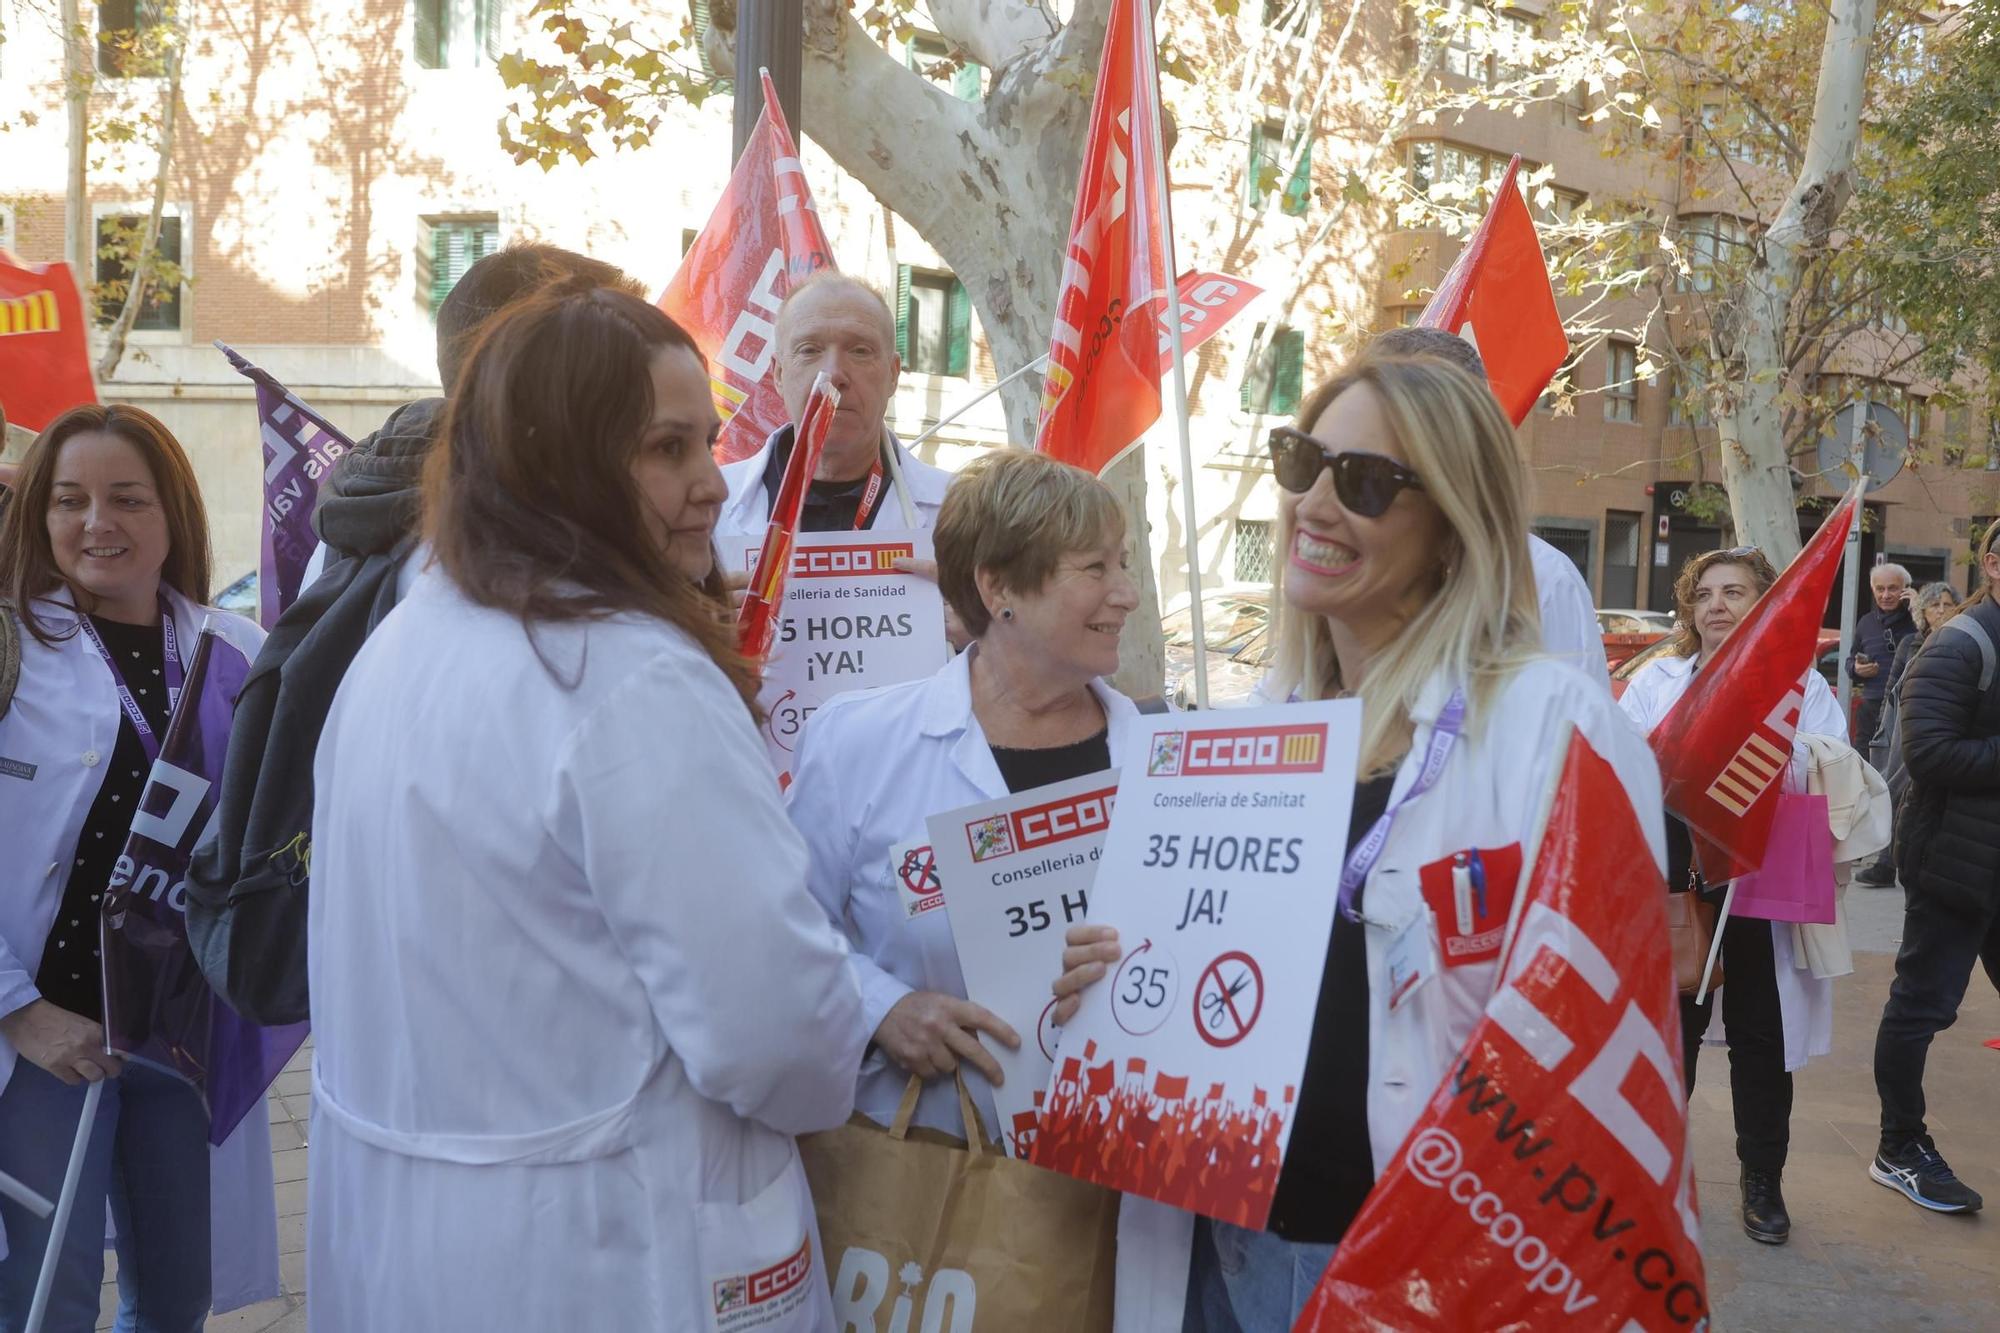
170	651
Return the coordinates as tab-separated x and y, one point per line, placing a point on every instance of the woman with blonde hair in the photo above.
1406	584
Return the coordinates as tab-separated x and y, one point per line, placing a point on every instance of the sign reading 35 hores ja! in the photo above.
1178	1077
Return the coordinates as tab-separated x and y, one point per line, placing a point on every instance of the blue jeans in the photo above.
148	1157
1249	1281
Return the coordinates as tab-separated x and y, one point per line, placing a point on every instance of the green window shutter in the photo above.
430	18
447	262
903	312
1256	191
1298	190
486	31
965	83
1253	373
1287	371
958	329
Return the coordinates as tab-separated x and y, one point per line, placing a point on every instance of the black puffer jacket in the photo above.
1948	837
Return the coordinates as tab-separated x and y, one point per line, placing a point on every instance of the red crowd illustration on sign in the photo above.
1152	1138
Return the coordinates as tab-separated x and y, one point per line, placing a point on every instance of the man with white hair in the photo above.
866	478
1868	660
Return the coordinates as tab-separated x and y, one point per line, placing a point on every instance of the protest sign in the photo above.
1014	874
1550	1180
158	1007
1220	872
851	621
300	449
44	351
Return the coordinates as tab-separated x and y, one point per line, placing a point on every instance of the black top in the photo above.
830	506
1876	635
69	971
1038	768
1330	1165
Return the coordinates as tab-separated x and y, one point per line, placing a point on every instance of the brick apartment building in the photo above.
339	167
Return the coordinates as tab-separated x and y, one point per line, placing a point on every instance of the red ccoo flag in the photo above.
1550	1181
1726	744
762	239
44	357
1102	387
1498	298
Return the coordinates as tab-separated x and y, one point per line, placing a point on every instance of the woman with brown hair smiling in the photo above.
104	565
570	997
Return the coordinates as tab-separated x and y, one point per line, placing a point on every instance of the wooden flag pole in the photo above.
1192	530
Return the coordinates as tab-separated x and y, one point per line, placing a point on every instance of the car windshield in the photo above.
1632	665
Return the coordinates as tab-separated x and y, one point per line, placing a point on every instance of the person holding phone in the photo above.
1874	647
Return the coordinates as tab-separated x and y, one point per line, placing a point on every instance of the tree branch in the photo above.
995	32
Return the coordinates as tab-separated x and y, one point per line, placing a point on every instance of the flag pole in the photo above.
1170	282
59	1227
984	394
1715	945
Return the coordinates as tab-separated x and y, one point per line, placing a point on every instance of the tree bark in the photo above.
144	263
1756	466
79	72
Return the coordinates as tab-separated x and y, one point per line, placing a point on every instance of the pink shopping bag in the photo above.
1795	883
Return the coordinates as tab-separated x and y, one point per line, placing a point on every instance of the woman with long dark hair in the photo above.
104	568
570	996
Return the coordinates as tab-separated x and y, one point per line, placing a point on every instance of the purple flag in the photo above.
157	1007
299	449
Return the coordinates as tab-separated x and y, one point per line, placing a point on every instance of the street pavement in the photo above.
1862	1259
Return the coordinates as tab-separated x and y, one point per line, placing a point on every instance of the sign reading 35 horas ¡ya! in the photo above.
1016	874
852	620
1178	1077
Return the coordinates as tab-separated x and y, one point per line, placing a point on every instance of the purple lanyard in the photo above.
171	651
1369	850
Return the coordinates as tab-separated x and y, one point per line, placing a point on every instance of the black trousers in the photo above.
1758	1083
1932	969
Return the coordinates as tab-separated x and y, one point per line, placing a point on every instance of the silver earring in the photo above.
1006	613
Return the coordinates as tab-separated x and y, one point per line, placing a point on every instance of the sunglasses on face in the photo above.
1366	483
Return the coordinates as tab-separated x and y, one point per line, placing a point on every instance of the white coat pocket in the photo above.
760	1261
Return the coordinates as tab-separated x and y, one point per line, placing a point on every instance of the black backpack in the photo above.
247	886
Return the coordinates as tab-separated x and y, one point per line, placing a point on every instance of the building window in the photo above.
931	57
456	244
1916	407
1486	45
1687	404
1277	378
1621	558
129	33
1254	553
456	34
933	322
1714	243
1621	381
1269	155
1575	107
1467	174
723	85
120	237
1571	537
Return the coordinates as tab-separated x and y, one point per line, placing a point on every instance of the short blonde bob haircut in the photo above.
1016	514
1479	620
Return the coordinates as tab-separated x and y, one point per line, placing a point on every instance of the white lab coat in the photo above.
1805	1001
872	766
747	511
62	730
570	999
1491	795
1569	620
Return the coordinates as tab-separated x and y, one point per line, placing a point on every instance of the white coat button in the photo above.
90	759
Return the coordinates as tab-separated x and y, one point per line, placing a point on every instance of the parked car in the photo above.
1231	678
240	596
1627	633
1826	660
1229	620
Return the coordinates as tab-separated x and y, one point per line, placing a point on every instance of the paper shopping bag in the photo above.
1795	883
922	1231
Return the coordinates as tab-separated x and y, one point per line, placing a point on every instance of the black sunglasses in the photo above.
1366	483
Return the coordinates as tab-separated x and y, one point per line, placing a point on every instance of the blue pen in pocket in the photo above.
1478	873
